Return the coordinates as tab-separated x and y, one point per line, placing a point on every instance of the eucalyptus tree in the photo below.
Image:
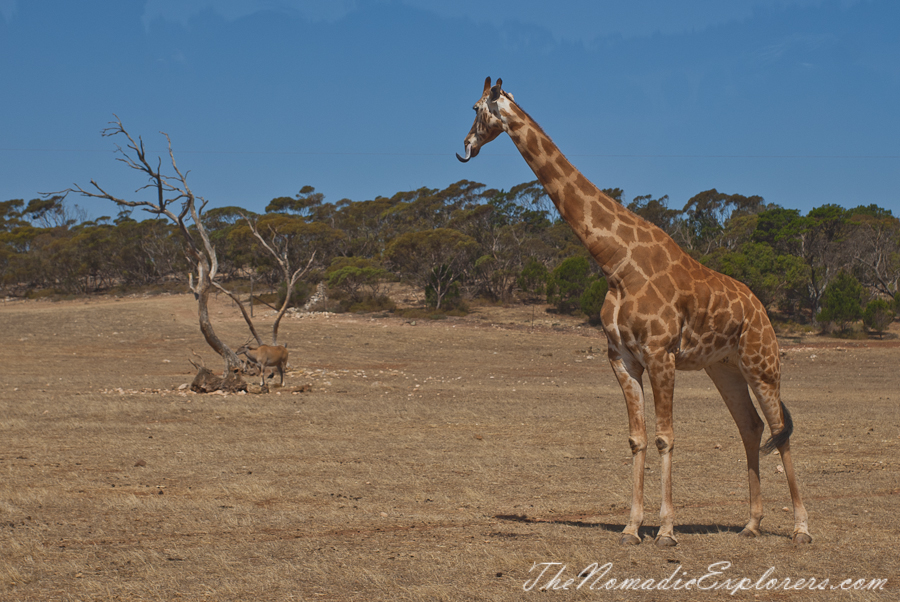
874	246
435	260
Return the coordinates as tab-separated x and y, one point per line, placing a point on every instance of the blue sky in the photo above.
793	100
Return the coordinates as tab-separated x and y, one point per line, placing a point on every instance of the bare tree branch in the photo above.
243	309
284	262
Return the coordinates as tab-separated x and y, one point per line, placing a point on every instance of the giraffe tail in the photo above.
782	436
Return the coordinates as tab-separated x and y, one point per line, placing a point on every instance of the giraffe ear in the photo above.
495	91
487	85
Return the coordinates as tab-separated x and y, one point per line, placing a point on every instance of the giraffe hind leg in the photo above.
779	418
734	391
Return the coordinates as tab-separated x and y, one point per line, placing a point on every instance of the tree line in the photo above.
467	241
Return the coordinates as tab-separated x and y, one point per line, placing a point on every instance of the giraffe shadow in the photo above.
689	529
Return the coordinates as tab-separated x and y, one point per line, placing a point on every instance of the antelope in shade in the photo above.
265	356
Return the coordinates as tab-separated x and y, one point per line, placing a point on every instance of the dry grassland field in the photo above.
437	460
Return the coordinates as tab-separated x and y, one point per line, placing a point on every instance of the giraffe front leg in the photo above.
629	378
666	535
662	379
631	534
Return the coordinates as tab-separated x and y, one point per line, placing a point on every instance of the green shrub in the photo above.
356	277
533	278
568	282
373	303
592	299
878	315
842	301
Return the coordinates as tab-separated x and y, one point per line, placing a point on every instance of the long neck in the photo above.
606	228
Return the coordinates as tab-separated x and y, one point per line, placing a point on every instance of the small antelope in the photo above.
265	356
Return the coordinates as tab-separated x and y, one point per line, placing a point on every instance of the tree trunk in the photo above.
212	339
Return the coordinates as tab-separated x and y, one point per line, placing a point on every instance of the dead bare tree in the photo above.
170	190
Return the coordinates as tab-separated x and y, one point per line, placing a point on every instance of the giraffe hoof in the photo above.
802	539
666	542
748	533
629	540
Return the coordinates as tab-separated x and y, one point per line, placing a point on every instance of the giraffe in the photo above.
664	312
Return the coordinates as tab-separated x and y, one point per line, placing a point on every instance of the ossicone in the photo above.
495	91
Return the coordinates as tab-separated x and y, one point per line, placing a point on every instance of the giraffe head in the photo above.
489	122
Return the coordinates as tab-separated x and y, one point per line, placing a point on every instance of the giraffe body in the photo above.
664	312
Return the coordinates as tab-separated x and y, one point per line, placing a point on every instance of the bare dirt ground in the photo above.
440	460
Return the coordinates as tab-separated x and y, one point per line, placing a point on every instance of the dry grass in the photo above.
435	461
